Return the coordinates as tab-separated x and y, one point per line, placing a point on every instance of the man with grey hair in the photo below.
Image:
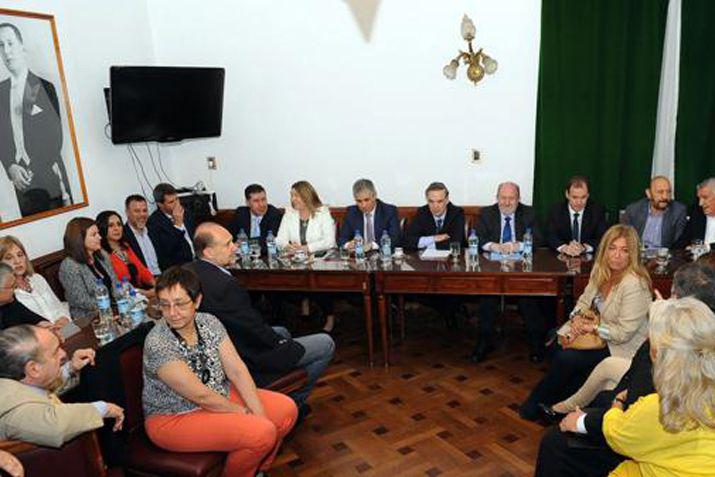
31	372
702	215
370	216
12	312
501	229
436	224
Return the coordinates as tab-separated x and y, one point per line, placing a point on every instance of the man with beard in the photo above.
659	220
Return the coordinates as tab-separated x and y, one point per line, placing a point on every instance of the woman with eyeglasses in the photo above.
198	395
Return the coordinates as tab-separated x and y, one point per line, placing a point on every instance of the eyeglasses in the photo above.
179	305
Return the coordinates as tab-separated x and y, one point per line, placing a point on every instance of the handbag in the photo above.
588	341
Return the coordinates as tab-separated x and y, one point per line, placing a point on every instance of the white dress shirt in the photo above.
147	248
709	229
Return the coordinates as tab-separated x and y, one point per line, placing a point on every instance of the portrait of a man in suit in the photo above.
30	131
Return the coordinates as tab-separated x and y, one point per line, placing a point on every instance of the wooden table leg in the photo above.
367	311
382	314
401	315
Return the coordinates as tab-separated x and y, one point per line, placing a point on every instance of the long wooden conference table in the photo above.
550	275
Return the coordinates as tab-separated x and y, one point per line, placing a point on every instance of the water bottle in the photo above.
123	304
243	246
359	247
473	244
386	246
136	310
104	308
126	286
528	253
271	247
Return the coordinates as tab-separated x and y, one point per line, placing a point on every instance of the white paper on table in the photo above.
434	254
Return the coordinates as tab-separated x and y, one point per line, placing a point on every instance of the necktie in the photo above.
255	227
369	230
506	233
574	228
440	221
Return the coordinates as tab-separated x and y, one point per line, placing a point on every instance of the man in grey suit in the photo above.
659	220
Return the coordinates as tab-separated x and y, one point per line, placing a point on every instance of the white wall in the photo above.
93	35
308	98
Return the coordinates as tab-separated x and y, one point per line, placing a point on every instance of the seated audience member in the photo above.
257	217
198	395
658	219
12	312
671	432
137	235
308	226
436	224
576	225
125	263
170	228
32	290
701	225
11	465
85	263
370	216
619	288
30	376
557	457
501	228
267	350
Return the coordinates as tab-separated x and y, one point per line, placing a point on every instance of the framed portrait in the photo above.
41	173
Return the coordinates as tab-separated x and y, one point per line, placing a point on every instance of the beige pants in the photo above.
604	377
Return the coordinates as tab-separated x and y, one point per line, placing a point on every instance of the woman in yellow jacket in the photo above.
672	433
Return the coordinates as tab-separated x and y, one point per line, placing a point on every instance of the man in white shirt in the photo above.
137	235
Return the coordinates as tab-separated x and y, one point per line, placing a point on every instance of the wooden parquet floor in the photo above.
431	413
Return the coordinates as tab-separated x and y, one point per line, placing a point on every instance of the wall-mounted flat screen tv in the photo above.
160	103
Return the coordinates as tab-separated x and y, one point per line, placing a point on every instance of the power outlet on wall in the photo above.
211	163
475	157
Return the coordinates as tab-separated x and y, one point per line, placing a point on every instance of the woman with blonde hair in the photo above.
619	290
32	290
671	432
308	226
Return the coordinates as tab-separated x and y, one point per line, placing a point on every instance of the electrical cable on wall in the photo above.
153	164
161	165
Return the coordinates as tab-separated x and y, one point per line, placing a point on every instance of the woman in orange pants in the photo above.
198	394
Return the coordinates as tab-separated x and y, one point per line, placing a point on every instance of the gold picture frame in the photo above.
41	172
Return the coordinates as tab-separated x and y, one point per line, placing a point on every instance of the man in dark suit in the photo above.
576	225
701	225
436	224
136	233
501	229
659	220
562	453
371	216
170	228
30	131
257	217
268	351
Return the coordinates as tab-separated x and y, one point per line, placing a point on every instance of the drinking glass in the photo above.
344	255
455	248
661	259
697	248
255	248
101	328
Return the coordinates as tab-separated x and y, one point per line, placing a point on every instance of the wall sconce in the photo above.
478	63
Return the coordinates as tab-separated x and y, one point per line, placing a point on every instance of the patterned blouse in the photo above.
163	346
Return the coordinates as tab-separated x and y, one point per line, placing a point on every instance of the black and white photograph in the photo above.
41	172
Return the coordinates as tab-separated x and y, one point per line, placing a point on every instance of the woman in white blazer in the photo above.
307	225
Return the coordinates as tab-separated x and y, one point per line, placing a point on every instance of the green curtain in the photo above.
598	93
695	135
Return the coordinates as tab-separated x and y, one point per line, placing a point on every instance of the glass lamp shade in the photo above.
450	71
468	29
490	64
